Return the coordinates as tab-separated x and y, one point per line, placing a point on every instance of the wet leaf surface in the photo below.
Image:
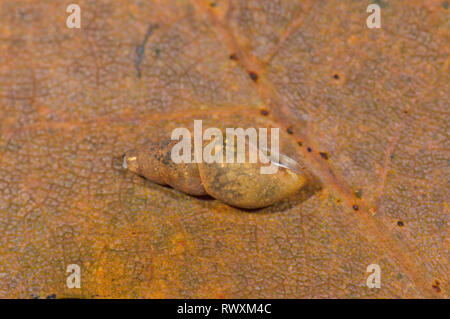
374	101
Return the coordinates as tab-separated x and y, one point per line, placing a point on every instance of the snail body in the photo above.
236	184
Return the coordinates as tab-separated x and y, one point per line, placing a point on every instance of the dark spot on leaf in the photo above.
213	4
358	193
299	143
392	156
290	130
309	149
381	3
323	155
253	76
233	56
355	207
264	112
405	111
445	4
141	49
436	286
400	223
336	76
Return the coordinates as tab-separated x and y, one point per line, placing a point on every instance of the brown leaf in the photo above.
374	101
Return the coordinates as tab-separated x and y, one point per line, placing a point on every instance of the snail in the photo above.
238	184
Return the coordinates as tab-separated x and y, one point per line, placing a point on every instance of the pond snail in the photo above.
236	184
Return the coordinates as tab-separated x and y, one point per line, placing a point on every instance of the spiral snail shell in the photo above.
236	184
